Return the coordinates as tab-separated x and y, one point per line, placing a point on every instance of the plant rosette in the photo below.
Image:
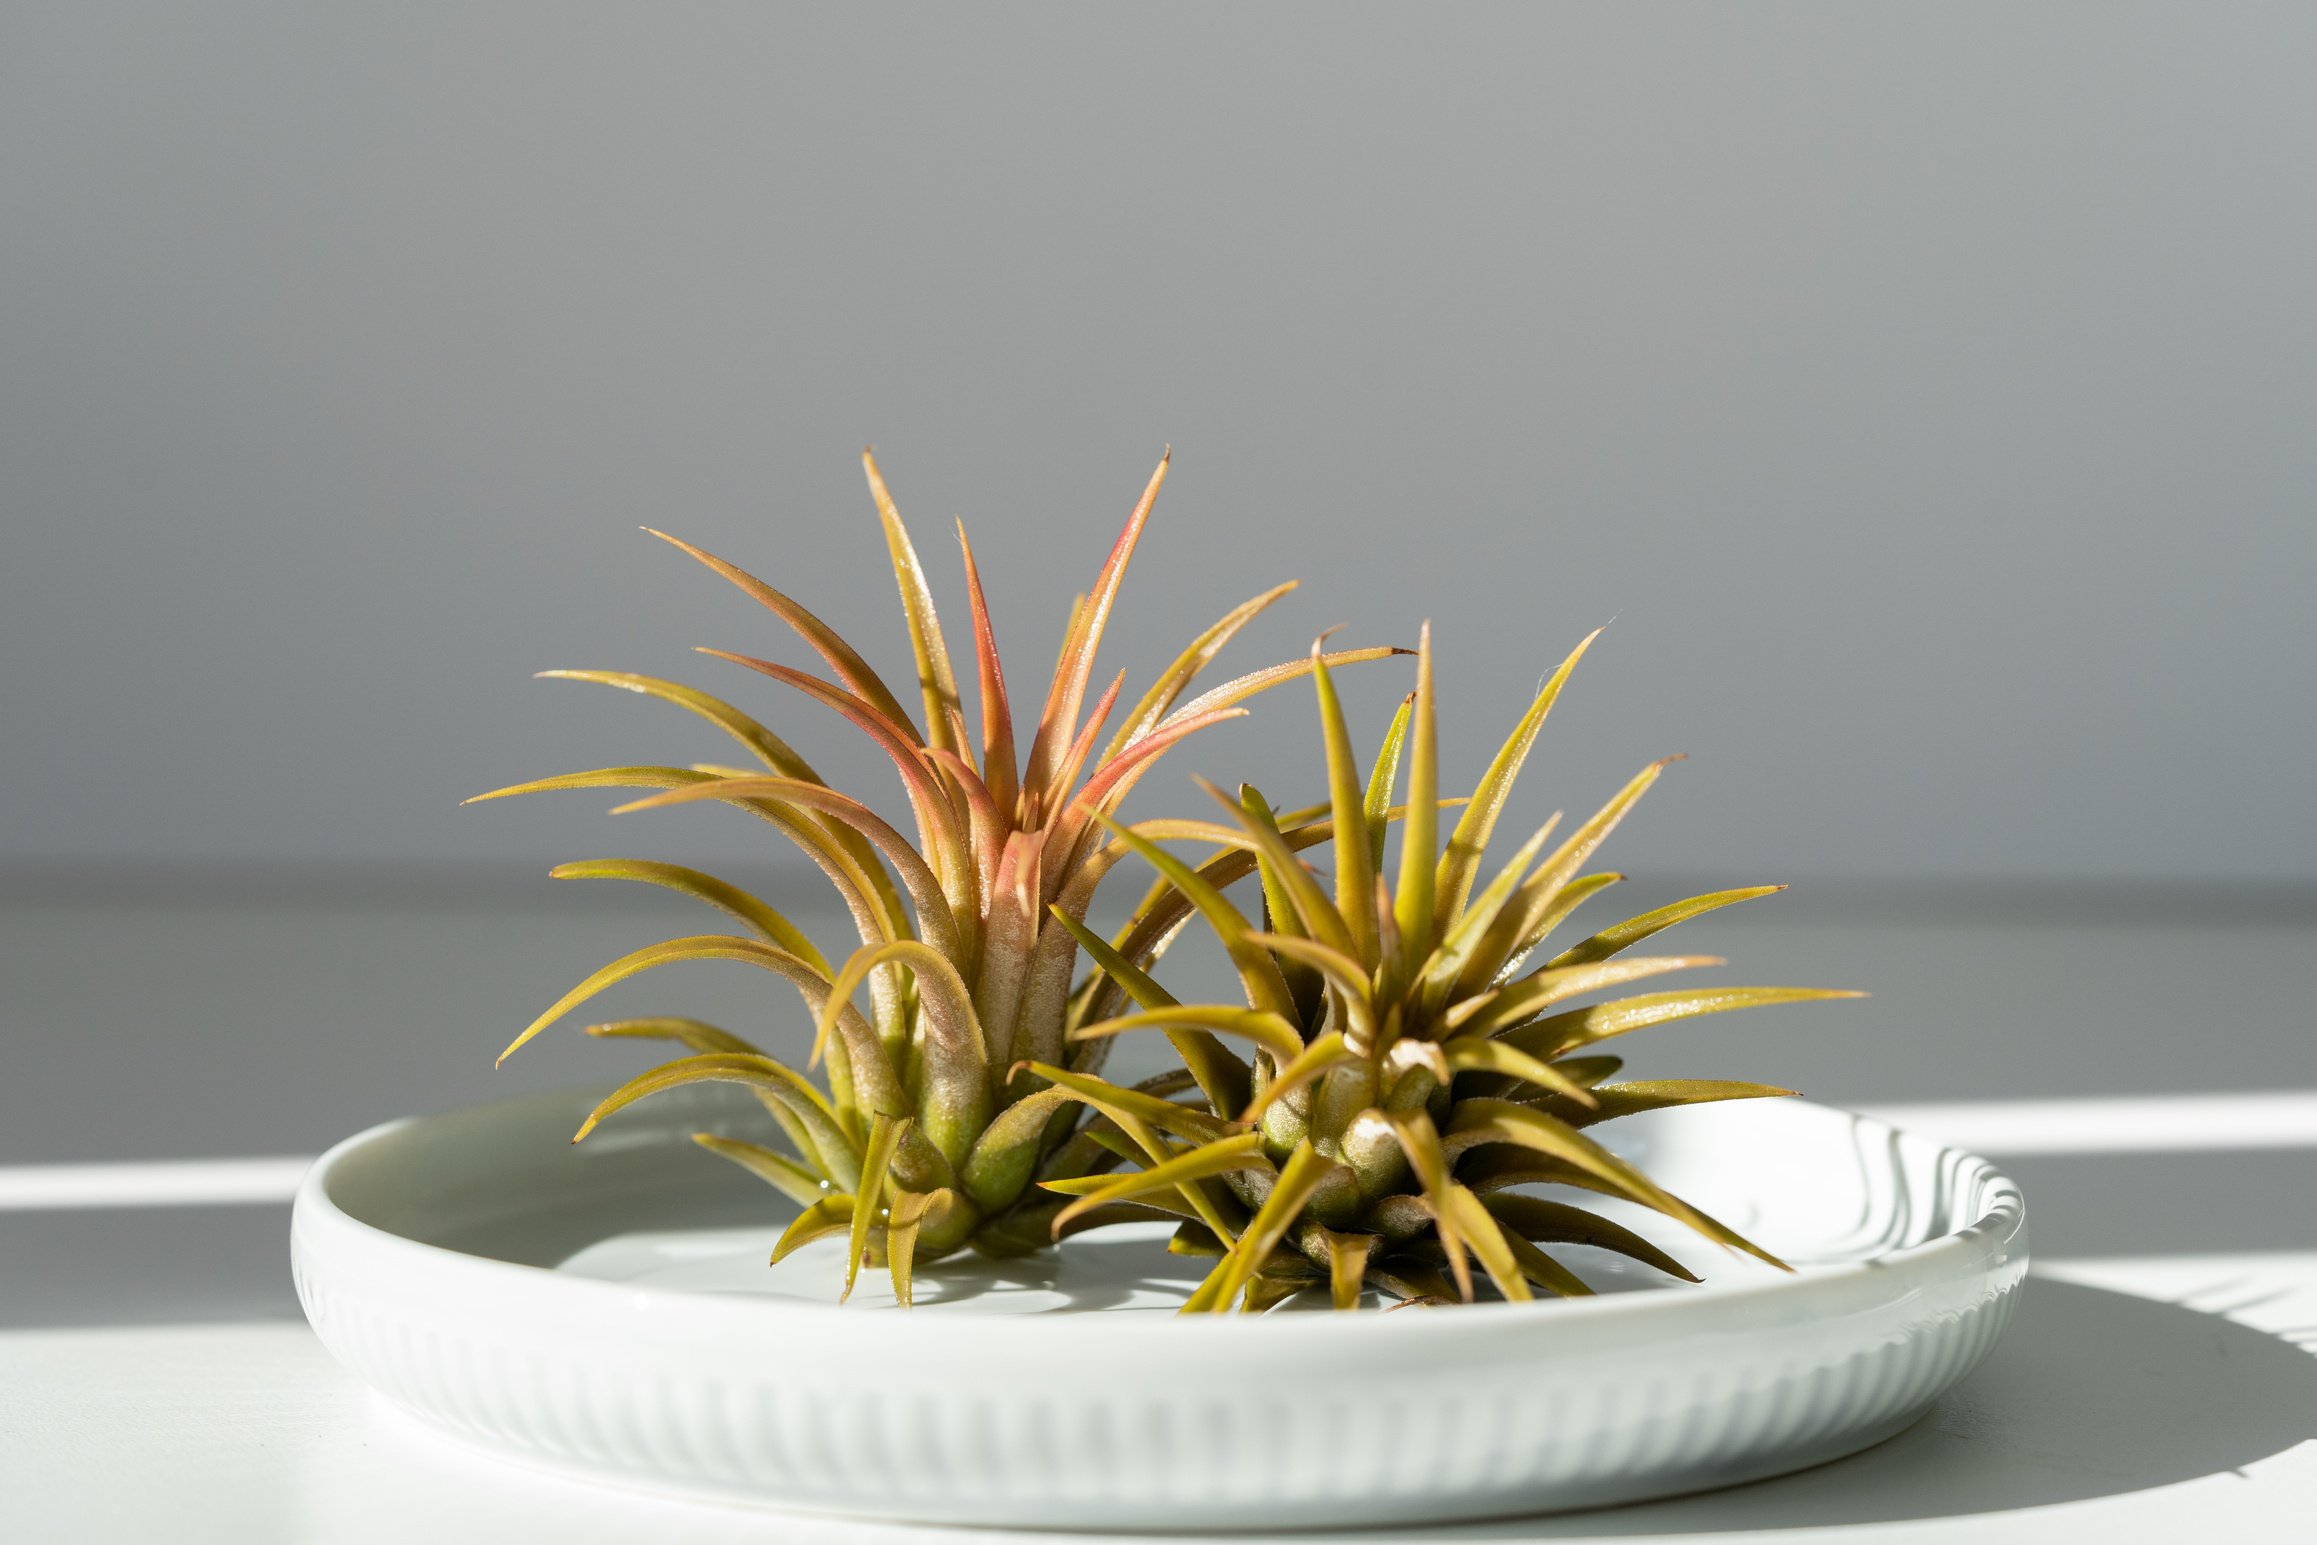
931	1126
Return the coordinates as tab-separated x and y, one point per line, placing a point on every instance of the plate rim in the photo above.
1995	1238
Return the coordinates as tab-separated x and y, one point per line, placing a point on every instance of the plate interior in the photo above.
640	1204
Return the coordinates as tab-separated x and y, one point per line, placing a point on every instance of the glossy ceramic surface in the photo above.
606	1310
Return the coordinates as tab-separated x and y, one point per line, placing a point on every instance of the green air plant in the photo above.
1411	1071
930	1130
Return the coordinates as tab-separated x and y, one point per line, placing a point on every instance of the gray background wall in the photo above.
1926	393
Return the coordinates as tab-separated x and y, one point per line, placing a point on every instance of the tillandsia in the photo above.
1412	1076
929	1128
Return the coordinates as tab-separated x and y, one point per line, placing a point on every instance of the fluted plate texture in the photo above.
607	1311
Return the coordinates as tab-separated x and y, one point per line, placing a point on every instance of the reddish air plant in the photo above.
941	1109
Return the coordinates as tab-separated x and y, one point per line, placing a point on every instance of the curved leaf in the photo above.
1517	1001
1326	1053
1164	907
1461	862
936	921
777	1170
1058	724
934	679
1468	1054
1635	929
725	897
987	827
1185	669
1582	1027
954	1105
1420	1141
928	800
1355	860
1534	1218
1266	988
1303	1174
1542	1269
1008	942
1347	1260
769	748
602	778
909	1211
1534	928
1521	923
830	1148
1240	688
877	1085
869	1195
1311	903
842	658
862	894
1500	1121
1195	1239
1167	1201
1117	1212
1446	964
1229	1155
1413	897
1479	1231
1381	778
1138	753
998	1168
830	1215
1282	1278
1274	1034
1122	1105
998	757
1220	1075
697	1034
1114	779
1611	1101
1074	756
703	1039
1353	989
1589	1071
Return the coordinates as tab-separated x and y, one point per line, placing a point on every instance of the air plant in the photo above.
930	1126
1411	1073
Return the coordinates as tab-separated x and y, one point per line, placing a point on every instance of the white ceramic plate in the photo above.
606	1310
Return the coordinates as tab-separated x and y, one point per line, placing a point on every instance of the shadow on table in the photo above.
2090	1394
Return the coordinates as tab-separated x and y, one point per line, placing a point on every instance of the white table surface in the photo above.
170	1060
2133	1399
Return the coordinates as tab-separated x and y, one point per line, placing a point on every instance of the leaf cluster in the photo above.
1414	1073
1401	1106
941	1108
